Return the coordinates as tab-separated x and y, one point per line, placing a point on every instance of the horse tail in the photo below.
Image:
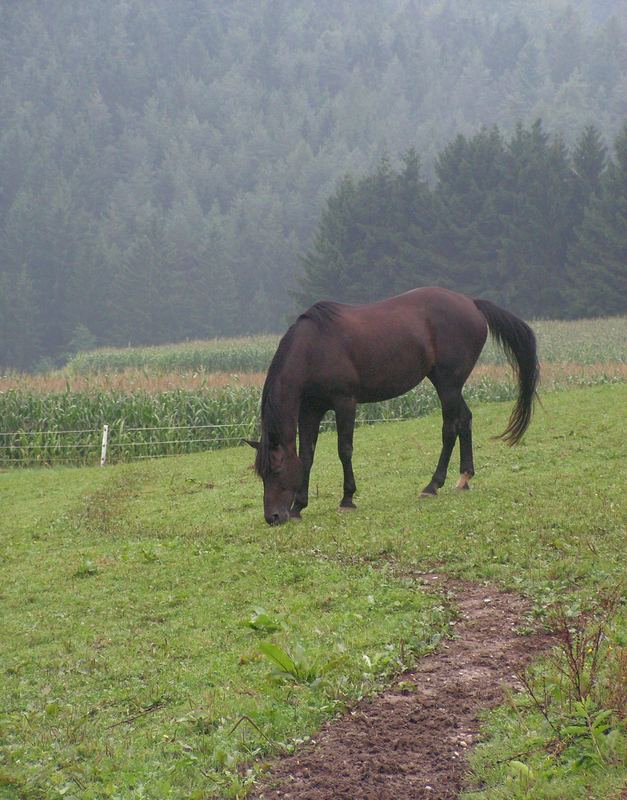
518	342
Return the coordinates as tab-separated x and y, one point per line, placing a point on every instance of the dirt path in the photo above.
412	744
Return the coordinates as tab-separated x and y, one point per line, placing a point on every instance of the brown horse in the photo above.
336	355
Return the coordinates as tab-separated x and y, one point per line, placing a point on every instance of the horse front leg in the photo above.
345	423
308	428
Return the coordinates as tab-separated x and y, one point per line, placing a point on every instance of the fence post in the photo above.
105	442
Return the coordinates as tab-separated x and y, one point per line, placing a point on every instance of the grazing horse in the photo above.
335	356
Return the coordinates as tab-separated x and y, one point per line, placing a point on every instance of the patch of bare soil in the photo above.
412	742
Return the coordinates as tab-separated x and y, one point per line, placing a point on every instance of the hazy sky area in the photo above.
164	166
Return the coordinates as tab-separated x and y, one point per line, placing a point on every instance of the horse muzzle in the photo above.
277	517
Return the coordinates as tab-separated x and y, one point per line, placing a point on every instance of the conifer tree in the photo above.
588	163
470	178
598	263
326	265
536	203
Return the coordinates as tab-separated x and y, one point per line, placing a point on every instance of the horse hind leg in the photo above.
466	465
345	423
456	421
450	429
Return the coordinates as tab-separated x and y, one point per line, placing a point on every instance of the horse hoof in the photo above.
463	482
429	492
351	507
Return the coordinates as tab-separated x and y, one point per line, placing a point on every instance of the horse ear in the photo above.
256	445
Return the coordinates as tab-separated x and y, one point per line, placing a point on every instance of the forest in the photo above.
179	171
524	222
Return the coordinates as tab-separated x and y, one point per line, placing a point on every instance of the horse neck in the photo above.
283	393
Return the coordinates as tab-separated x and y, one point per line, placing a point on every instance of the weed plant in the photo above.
569	720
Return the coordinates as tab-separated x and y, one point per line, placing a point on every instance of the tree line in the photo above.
163	166
524	221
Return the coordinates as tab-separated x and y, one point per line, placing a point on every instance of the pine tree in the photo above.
419	263
376	237
470	176
598	262
20	322
326	265
537	227
589	160
508	40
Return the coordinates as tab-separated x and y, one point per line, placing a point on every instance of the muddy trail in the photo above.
412	740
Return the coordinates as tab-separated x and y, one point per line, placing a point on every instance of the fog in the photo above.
164	167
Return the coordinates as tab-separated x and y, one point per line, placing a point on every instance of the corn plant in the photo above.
581	341
247	354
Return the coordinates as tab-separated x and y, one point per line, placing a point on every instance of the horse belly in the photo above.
391	376
376	394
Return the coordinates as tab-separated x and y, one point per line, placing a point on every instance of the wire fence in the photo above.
116	443
193	422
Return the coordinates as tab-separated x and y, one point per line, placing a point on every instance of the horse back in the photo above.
380	350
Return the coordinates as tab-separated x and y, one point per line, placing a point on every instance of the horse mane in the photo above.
270	412
322	314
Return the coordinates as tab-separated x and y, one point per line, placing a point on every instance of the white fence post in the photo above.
105	442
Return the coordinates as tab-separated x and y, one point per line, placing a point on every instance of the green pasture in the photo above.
137	602
586	341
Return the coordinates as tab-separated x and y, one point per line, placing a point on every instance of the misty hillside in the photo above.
164	166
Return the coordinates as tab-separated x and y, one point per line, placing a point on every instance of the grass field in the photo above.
136	601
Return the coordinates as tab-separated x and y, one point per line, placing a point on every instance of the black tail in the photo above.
519	345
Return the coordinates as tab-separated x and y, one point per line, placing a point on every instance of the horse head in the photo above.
281	472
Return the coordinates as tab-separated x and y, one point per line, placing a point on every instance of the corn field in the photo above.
58	419
582	341
66	428
249	354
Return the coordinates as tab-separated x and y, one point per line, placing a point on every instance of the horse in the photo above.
337	355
